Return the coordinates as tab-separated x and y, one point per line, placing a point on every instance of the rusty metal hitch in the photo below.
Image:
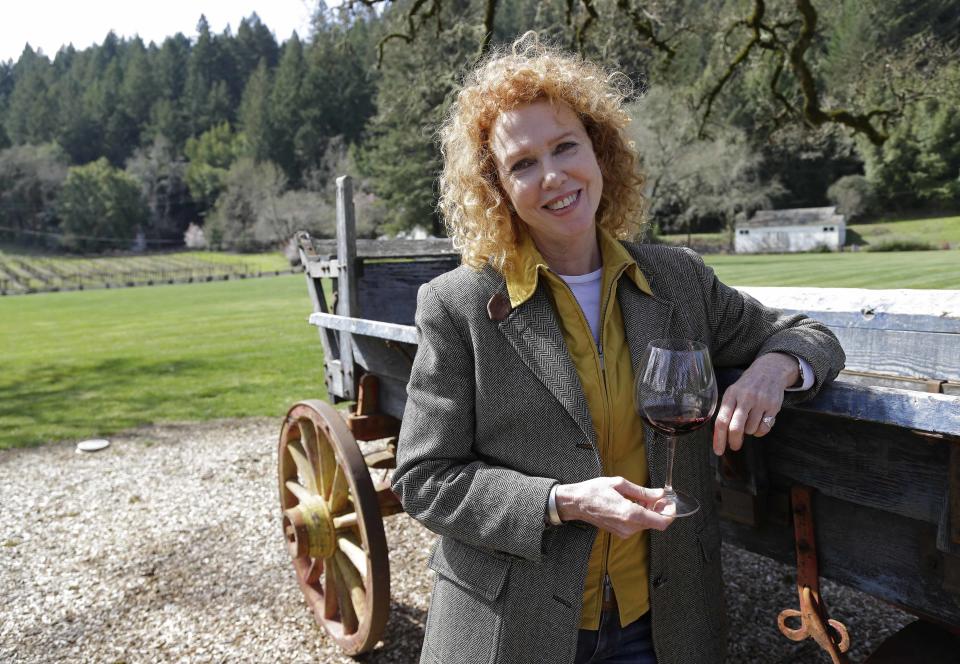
831	635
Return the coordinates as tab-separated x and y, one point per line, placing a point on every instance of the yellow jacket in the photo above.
606	374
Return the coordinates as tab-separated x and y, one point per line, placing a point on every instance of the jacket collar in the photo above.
523	275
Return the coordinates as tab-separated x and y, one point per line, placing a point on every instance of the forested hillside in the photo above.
739	104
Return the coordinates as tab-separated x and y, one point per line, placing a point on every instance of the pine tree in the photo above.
286	107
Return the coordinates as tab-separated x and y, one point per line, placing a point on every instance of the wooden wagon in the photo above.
860	485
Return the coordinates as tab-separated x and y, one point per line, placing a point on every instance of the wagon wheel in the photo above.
333	526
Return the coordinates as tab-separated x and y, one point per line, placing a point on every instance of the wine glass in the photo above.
676	393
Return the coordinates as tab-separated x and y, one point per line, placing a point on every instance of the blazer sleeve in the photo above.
742	329
440	479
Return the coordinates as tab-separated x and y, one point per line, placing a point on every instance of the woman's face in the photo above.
548	170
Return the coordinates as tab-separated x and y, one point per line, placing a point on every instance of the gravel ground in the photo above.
167	547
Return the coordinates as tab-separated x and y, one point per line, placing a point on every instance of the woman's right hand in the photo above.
612	504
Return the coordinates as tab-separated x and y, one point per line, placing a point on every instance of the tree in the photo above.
245	217
286	107
254	43
254	117
162	178
30	180
400	155
100	207
694	183
31	110
210	157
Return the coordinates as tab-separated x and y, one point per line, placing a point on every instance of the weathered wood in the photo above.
384	357
370	328
388	290
875	465
393	396
391	248
347	276
937	414
905	333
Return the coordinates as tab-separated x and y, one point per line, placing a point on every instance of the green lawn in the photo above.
90	363
936	232
894	269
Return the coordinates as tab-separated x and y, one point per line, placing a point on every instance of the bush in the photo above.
100	208
901	245
854	196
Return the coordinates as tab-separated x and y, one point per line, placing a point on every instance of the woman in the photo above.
520	445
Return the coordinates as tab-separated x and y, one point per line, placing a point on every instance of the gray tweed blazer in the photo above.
496	415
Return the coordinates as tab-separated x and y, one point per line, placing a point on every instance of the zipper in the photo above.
607	584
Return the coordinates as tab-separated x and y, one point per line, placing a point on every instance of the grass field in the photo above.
935	232
90	363
893	269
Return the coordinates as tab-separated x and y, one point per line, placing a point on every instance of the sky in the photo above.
49	24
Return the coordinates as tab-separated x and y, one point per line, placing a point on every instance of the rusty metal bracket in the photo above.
814	621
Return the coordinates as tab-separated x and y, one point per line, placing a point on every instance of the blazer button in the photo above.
659	581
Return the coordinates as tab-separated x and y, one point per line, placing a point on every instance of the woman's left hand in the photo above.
750	405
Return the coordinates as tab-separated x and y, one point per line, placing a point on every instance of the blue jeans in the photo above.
614	644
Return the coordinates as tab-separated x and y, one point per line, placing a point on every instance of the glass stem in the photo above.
668	485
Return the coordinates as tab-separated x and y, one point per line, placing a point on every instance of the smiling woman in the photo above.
520	443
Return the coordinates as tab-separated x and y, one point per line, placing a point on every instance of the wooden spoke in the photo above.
353	581
330	593
354	553
340	495
348	615
328	466
315	571
345	521
304	468
302	494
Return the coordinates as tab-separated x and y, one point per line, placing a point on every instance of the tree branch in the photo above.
489	14
644	27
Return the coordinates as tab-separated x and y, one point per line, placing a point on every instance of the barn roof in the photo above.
793	217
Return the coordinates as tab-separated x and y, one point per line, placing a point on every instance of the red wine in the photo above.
673	421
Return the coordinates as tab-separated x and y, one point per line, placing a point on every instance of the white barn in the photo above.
781	231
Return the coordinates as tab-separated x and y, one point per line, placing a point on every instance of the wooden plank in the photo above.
383	357
901	352
885	321
885	555
388	290
899	382
347	276
370	328
938	414
393	396
391	248
865	463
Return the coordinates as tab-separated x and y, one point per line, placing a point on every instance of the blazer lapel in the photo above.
532	329
646	318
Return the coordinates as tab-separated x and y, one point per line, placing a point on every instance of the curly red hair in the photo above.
475	208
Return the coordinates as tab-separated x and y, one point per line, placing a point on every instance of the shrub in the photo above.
901	245
100	207
853	195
